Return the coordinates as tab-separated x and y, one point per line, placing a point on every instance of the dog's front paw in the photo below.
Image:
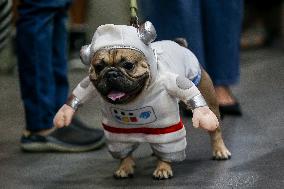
123	173
126	169
163	171
220	152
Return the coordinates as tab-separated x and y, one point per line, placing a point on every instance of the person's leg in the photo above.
222	28
59	58
34	44
42	68
173	19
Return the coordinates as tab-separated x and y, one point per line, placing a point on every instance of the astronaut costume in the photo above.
152	117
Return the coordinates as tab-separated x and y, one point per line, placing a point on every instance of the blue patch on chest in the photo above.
145	115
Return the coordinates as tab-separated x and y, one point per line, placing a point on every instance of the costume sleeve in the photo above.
185	90
84	90
192	67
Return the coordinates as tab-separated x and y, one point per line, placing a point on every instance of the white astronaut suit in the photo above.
152	117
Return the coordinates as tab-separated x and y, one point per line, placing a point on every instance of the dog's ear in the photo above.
181	41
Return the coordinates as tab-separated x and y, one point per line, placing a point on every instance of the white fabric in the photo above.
110	35
170	147
157	106
84	92
160	99
171	151
176	59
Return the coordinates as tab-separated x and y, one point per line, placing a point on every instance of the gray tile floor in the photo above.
256	141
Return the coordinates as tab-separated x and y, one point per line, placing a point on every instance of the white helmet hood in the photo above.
122	36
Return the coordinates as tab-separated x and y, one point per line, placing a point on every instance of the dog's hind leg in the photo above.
220	151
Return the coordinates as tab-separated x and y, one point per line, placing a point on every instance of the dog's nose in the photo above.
112	74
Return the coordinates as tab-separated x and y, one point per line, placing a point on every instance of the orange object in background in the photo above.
77	12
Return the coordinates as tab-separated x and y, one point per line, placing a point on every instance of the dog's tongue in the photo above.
114	95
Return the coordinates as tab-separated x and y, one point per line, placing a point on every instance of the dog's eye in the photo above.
128	65
99	67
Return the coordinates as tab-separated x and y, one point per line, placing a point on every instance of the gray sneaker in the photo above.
74	138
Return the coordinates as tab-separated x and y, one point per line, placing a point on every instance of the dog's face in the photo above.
119	75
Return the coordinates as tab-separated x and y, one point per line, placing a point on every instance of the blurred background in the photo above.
263	26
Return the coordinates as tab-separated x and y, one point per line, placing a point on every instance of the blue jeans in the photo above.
212	29
42	61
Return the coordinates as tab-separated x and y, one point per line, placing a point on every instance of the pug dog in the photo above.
139	84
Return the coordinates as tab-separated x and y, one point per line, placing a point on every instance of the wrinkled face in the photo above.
120	75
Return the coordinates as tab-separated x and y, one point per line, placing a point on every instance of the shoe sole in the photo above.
58	146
